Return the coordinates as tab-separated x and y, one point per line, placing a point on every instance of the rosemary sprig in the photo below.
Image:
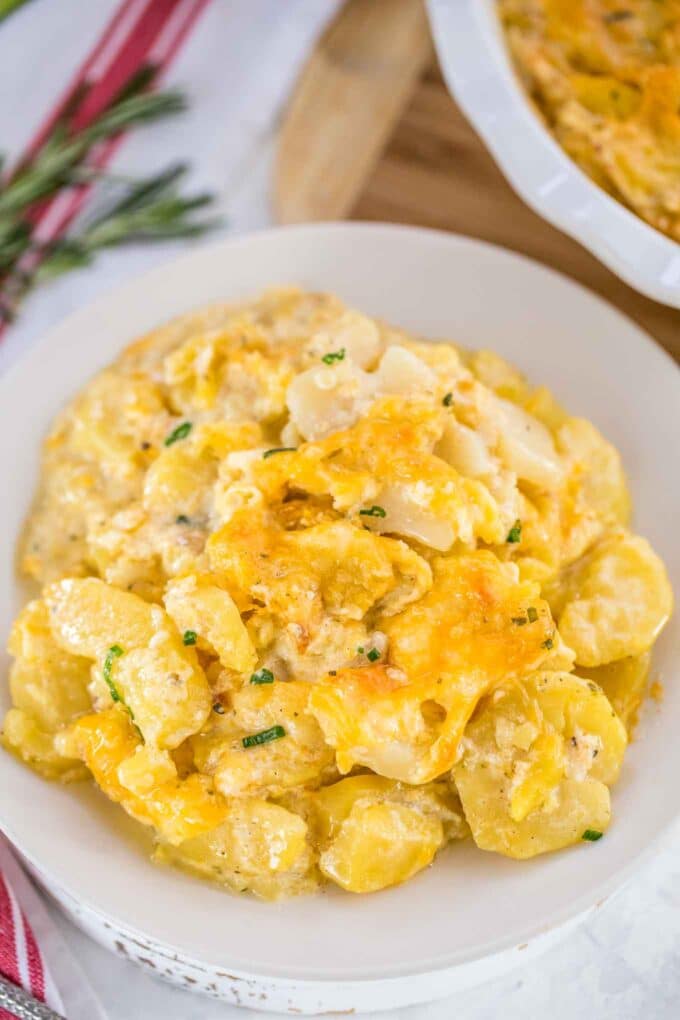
54	165
151	209
15	239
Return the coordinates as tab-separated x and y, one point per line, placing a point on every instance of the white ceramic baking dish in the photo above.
478	71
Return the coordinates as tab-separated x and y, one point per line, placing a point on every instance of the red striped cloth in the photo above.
29	939
33	953
141	32
20	958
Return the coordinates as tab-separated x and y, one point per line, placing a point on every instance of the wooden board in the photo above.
436	172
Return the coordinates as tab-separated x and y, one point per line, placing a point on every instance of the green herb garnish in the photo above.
264	737
373	655
115	652
515	533
519	620
373	511
147	209
592	835
278	449
532	614
262	676
182	519
548	643
181	432
8	7
332	356
448	400
360	649
189	637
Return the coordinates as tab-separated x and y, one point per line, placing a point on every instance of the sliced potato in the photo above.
596	496
538	758
22	735
379	845
296	756
260	847
527	447
615	601
49	688
331	805
148	667
144	783
202	608
624	682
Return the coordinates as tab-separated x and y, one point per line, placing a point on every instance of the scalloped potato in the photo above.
320	599
605	75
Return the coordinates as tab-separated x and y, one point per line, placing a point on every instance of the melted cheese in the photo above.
284	542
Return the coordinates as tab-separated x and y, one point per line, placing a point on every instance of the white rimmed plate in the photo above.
473	913
478	71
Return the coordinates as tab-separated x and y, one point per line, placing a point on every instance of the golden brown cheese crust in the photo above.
313	592
605	75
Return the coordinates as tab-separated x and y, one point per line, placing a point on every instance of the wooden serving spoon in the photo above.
347	101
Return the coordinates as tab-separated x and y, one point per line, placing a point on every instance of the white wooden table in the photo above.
622	965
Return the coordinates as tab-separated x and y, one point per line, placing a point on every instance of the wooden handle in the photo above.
347	101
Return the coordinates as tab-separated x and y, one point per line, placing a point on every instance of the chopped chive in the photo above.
519	620
360	649
548	643
515	533
448	400
332	356
114	652
182	519
218	707
532	614
264	737
373	655
592	835
189	637
278	449
262	676
181	432
373	511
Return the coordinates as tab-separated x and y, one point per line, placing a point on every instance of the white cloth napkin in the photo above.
237	68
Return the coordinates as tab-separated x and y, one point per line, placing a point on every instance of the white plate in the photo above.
478	71
469	915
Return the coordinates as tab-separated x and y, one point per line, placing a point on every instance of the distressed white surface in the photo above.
623	964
